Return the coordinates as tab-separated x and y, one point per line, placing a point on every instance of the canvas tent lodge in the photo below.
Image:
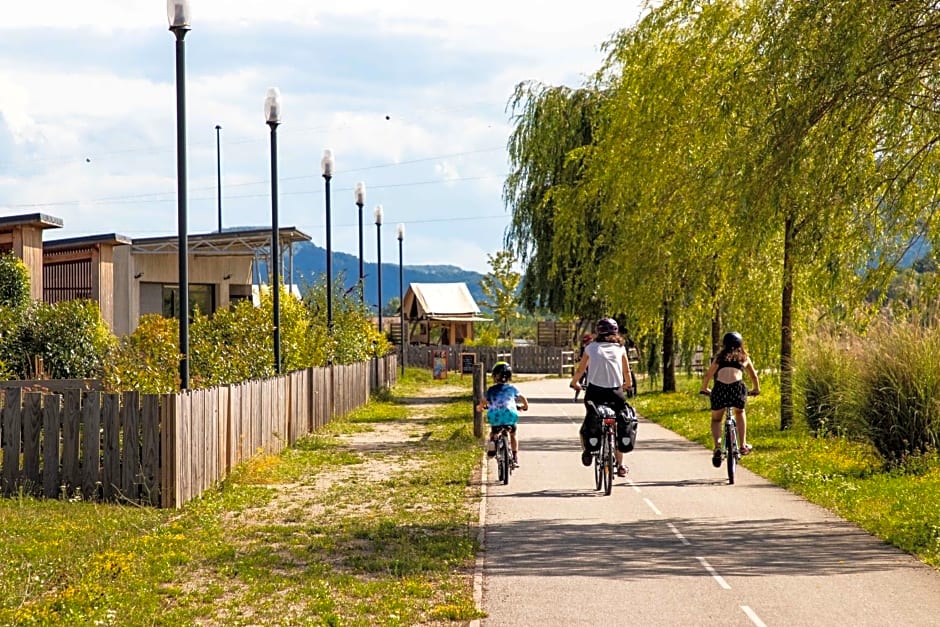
440	313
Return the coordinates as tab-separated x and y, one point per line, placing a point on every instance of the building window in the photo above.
201	297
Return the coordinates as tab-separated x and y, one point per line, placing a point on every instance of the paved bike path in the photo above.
675	544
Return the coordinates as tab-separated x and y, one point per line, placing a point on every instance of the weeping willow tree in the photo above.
559	253
841	162
747	164
657	162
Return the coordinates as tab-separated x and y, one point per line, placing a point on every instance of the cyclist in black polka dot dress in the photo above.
728	390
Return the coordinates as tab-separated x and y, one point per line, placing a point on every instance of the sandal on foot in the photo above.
747	448
622	471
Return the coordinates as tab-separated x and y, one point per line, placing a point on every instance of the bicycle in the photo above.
730	451
605	461
503	454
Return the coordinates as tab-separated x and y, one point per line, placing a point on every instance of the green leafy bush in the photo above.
233	345
354	336
70	337
147	360
14	282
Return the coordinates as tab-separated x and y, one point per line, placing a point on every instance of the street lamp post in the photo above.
360	201
272	115
378	247
218	169
401	295
326	168
177	12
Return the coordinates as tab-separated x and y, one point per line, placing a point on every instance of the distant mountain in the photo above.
310	264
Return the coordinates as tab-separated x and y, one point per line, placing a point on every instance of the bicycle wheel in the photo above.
510	459
731	444
598	471
505	459
607	452
500	460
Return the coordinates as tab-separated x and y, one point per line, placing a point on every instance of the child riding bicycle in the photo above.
729	389
502	402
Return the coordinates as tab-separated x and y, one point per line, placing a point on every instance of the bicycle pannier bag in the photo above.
626	429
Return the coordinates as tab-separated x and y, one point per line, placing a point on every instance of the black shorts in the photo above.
728	395
494	429
613	397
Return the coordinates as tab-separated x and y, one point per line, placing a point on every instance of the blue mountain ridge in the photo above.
310	264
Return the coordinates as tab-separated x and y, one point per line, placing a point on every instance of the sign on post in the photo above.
439	364
467	362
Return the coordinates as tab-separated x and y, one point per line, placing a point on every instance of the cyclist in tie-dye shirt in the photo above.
502	403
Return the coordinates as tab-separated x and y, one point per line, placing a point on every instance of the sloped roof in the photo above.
444	300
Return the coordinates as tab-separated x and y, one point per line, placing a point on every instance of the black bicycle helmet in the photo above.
606	326
731	340
502	371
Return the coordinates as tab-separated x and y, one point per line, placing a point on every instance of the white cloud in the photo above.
437	162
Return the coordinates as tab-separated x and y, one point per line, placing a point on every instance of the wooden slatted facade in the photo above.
165	450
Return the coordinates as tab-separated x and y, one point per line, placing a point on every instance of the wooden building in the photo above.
132	277
440	313
22	235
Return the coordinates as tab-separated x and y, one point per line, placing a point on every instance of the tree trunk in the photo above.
786	331
669	350
716	334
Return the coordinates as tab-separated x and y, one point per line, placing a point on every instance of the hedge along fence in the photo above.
165	450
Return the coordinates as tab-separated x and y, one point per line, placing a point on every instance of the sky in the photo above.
410	96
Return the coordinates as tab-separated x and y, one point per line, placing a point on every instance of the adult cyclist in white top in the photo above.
608	376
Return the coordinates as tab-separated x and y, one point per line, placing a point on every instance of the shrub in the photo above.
233	345
14	282
354	337
147	360
70	337
237	344
487	334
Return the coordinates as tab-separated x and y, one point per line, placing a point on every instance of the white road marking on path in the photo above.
714	573
653	507
635	487
753	616
678	534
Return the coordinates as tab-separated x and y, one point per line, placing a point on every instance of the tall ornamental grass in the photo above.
883	386
901	385
829	384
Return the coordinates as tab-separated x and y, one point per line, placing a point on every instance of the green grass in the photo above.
901	506
390	541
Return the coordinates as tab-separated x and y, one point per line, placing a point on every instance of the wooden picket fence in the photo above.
524	359
164	450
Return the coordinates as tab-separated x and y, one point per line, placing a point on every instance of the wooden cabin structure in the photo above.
440	313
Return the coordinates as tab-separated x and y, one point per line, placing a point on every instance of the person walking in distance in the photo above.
608	376
726	373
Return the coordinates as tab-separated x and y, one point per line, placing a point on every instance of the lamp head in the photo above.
401	231
360	194
378	215
272	106
327	163
177	14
